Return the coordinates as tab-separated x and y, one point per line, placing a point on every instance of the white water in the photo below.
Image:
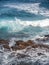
29	7
31	56
12	42
17	24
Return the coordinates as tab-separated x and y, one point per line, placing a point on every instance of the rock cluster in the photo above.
44	38
21	45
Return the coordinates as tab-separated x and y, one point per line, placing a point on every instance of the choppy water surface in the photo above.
23	20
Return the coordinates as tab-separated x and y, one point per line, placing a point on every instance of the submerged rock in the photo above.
46	35
43	39
22	55
39	54
6	47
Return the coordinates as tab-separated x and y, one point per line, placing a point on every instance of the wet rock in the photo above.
22	45
44	38
39	54
46	35
6	47
4	44
19	42
14	48
30	42
35	46
43	46
22	55
2	41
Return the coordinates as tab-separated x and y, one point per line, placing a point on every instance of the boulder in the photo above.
22	55
6	47
22	45
39	54
2	41
46	35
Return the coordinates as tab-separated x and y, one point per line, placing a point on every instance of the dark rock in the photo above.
6	47
4	41
22	45
46	35
44	39
22	55
39	54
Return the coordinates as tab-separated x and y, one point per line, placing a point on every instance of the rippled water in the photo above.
23	20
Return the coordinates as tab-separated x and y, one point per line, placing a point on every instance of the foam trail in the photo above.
18	24
12	25
31	8
40	23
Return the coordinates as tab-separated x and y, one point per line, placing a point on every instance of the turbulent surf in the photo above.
22	21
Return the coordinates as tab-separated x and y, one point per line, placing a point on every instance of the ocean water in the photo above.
23	19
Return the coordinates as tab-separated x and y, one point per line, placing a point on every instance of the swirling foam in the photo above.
31	8
17	24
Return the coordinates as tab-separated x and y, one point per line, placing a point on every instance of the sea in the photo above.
24	19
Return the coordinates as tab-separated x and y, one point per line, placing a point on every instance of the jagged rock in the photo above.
30	42
39	54
6	47
2	41
14	48
35	45
44	38
44	46
22	55
22	45
46	35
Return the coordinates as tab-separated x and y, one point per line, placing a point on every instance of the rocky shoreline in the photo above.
24	52
19	45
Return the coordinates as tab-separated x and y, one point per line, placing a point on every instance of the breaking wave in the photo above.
14	26
18	24
16	18
31	8
22	28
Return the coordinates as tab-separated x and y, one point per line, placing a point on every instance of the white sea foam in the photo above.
40	23
31	55
12	42
31	8
12	26
17	24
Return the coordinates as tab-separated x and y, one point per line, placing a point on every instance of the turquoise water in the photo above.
23	19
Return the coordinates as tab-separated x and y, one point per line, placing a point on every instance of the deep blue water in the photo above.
23	18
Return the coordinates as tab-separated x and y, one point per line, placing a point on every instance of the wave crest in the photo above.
18	25
31	8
